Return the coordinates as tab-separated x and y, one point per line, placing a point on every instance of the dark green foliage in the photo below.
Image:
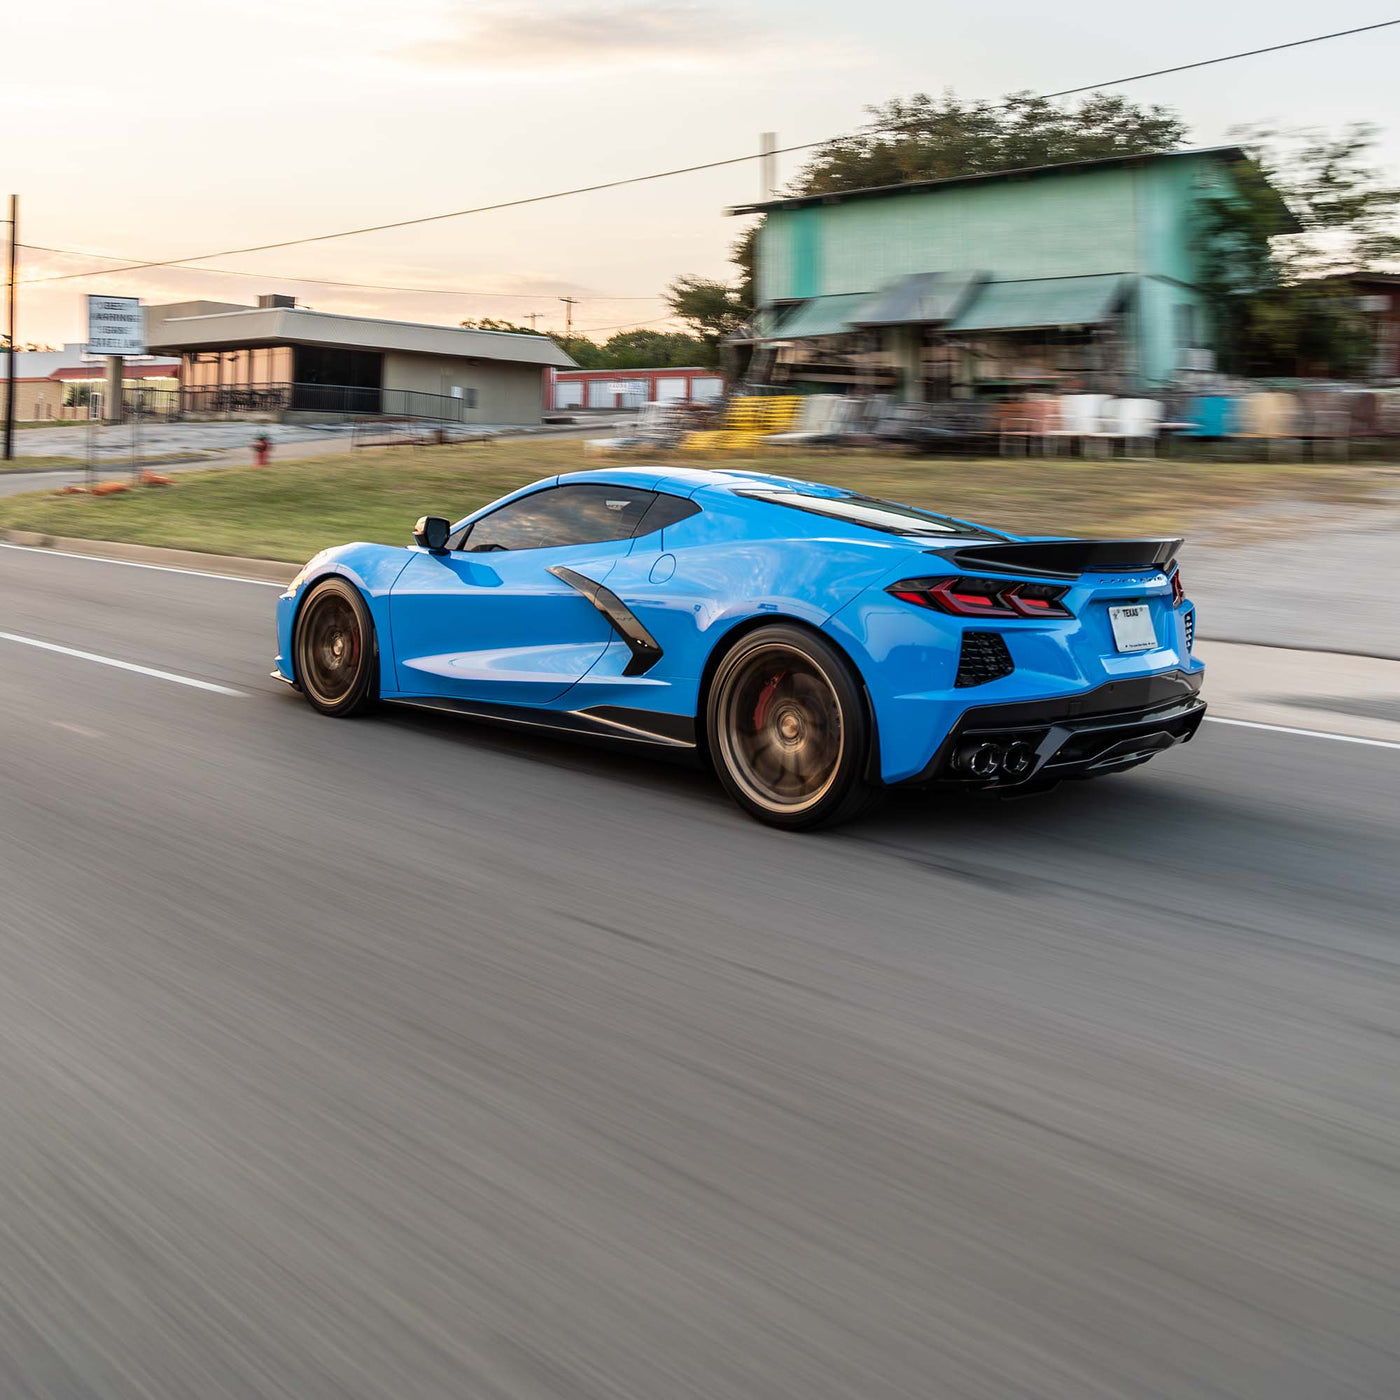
925	138
713	310
1307	209
638	349
652	349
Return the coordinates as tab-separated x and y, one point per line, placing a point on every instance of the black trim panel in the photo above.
1065	558
1136	693
650	728
645	649
656	725
1063	730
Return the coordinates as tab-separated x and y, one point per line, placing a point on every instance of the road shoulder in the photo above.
1314	690
265	570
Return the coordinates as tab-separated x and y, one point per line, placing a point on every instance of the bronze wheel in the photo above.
787	729
337	661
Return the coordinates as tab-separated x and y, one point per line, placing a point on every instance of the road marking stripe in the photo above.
133	564
1307	733
120	665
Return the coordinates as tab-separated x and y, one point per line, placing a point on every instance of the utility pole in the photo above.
569	303
13	284
532	315
767	164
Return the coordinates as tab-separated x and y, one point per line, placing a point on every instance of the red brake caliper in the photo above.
765	698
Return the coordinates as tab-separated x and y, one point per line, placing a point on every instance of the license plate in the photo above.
1132	628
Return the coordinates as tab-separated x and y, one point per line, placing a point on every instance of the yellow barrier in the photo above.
747	421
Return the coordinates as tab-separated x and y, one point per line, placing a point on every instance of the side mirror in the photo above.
431	532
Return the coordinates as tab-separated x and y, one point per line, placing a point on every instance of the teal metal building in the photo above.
1067	276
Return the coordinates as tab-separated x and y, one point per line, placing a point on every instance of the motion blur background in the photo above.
411	1058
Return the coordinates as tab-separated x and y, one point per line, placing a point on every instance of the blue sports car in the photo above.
811	644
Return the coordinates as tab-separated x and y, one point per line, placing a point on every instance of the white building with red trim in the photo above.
630	388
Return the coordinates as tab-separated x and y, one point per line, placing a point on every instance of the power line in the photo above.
623	325
1226	58
679	170
422	219
326	281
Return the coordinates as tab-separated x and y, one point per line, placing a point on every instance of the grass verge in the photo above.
294	508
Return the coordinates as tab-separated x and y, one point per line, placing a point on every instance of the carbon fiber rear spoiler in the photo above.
1064	558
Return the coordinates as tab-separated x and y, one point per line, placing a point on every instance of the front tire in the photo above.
336	654
788	731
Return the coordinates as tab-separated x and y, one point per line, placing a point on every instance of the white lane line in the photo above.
1306	733
133	564
120	665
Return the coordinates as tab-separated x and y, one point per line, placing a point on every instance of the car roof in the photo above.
693	479
700	482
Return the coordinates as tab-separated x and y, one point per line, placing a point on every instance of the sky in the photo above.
184	130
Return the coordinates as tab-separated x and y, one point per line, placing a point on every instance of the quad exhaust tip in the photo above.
1018	760
987	760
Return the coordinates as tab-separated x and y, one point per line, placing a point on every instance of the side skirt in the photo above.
650	728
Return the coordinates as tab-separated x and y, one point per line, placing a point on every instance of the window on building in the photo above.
561	515
327	364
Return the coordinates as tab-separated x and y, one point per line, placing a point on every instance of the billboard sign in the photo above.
115	326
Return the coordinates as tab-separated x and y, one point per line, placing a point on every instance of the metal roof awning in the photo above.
920	299
299	325
1043	303
829	315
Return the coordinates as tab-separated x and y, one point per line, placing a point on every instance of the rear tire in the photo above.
787	729
335	651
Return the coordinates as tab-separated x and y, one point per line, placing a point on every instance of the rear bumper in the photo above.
1115	726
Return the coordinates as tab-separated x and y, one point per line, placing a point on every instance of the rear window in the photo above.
869	511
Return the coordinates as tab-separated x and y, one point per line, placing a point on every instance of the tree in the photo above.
638	349
1307	209
923	138
490	323
712	309
587	354
742	255
649	349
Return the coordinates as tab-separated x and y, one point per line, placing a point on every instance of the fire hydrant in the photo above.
262	450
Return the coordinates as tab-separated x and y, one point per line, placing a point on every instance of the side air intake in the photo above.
983	658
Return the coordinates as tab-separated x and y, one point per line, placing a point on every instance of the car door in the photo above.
491	621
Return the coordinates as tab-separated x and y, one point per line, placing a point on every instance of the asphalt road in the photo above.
405	1058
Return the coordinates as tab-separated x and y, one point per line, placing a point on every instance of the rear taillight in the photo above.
1178	592
983	597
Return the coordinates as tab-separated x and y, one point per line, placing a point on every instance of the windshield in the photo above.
869	511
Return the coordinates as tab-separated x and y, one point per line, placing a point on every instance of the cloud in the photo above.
585	34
